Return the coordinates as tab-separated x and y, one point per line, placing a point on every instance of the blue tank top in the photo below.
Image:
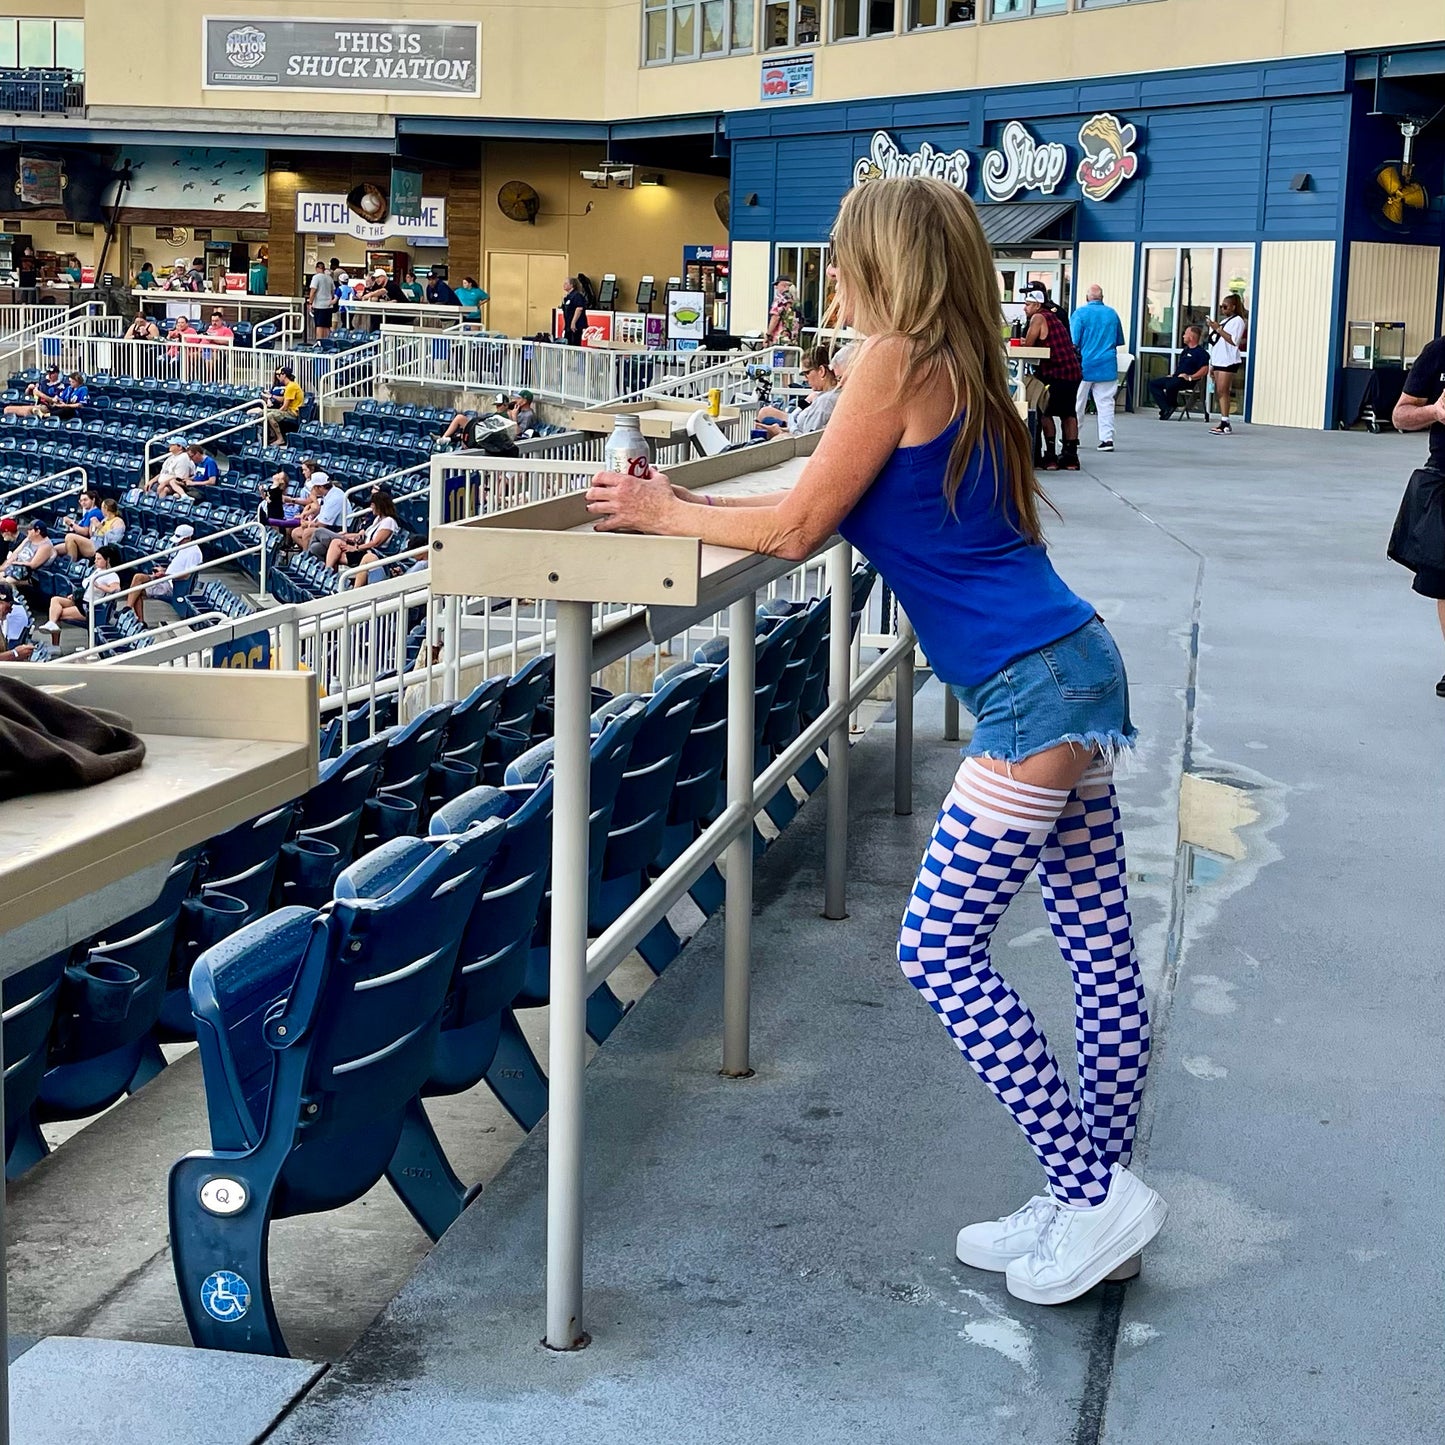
978	593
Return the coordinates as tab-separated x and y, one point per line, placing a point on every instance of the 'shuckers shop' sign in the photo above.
365	57
321	214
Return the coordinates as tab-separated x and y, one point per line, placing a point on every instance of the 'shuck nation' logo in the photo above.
246	46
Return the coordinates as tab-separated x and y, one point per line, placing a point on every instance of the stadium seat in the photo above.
516	720
110	1002
31	998
399	803
317	1031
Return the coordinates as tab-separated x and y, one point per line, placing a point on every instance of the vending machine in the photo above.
705	269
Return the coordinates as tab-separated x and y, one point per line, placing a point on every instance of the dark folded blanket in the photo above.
47	743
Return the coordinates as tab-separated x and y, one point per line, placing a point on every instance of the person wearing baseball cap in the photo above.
522	412
1060	373
40	395
160	582
9	536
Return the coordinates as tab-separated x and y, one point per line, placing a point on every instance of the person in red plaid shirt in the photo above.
1061	373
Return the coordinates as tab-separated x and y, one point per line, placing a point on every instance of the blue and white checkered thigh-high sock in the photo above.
1086	895
985	844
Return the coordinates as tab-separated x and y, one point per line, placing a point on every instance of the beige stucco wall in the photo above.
1289	341
580	59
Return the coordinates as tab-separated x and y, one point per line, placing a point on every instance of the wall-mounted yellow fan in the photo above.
1397	179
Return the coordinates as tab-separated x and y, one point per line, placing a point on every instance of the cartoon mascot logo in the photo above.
1108	159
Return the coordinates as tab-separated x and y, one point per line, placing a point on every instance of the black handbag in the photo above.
1417	540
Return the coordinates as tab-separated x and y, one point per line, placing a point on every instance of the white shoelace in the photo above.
1039	1212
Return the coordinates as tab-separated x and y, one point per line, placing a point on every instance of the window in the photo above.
1183	286
1003	9
695	29
807	267
787	23
854	19
42	45
930	14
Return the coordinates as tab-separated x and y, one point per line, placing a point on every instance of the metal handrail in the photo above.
40	481
253	417
97	651
54	497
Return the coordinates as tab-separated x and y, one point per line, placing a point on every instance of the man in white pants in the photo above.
1098	333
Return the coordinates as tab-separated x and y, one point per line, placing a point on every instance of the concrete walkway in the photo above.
771	1260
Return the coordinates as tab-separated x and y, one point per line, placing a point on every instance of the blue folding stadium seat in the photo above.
109	1005
471	720
513	730
30	1001
399	804
234	878
317	1031
328	819
640	810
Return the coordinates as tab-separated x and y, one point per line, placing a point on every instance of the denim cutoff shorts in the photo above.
1072	691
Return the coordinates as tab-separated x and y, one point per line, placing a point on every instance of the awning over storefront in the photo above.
1016	223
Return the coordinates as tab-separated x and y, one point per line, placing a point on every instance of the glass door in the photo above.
1183	286
807	265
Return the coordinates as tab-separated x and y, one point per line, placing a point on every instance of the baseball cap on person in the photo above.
52	370
183	531
526	396
9	525
379	274
1036	294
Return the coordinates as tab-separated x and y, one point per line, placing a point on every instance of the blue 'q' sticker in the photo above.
225	1296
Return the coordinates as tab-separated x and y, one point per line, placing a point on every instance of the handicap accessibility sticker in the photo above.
225	1296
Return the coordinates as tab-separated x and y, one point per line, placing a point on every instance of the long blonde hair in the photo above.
914	263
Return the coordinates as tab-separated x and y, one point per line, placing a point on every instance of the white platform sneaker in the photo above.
1078	1248
996	1243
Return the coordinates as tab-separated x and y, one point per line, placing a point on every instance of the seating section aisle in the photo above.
346	957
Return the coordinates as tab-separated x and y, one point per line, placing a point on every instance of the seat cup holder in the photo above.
101	988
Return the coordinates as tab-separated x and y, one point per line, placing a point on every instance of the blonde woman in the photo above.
109	527
1227	339
925	467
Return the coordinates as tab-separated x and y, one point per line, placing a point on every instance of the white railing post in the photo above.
738	903
567	1023
840	672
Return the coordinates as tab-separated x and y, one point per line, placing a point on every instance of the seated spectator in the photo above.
142	328
324	514
175	470
1192	368
74	394
160	582
40	396
176	281
283	405
501	406
440	294
83	538
412	289
9	537
353	549
382	288
206	472
219	332
824	378
102	583
521	411
14	628
34	551
182	339
470	297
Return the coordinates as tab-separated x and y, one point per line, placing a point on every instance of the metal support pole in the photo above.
903	729
261	569
452	648
950	715
289	638
568	1012
738	906
840	674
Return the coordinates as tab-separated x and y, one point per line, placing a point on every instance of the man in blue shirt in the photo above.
207	472
72	396
1192	368
1098	333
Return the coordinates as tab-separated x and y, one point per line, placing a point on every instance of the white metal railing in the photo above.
580	375
207	430
25	316
351	377
29	344
197	361
423	315
41	481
